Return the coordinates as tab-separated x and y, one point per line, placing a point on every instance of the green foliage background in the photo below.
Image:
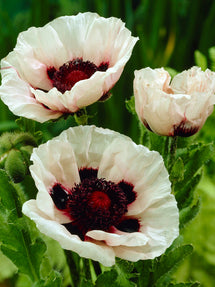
173	33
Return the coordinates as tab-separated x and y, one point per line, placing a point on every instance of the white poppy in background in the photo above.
68	64
103	196
179	108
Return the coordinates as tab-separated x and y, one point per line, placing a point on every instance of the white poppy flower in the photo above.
103	196
179	108
68	64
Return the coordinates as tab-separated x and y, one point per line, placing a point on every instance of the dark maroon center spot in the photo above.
59	196
72	72
129	225
128	190
184	129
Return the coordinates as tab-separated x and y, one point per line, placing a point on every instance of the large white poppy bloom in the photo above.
103	196
68	64
177	108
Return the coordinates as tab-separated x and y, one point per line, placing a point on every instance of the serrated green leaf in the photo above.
54	279
144	267
15	239
185	194
177	172
124	270
188	213
107	279
125	266
130	105
169	262
200	60
157	142
198	156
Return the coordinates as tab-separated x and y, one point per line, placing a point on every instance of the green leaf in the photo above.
197	157
168	263
81	117
185	194
211	53
191	284
124	270
200	60
130	105
26	125
107	279
157	142
86	283
171	71
188	213
15	238
144	267
177	172
8	125
54	279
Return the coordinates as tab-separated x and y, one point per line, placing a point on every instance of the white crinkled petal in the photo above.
89	143
16	93
53	99
53	162
117	158
154	221
194	81
87	36
99	251
162	106
95	38
119	238
135	164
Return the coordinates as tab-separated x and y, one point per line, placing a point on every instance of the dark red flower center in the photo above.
72	72
95	204
99	200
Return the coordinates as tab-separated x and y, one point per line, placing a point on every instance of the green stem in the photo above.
92	271
73	264
166	151
172	152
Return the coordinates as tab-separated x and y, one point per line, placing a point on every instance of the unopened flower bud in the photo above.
15	166
26	153
24	139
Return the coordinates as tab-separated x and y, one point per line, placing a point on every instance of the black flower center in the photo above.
72	72
95	204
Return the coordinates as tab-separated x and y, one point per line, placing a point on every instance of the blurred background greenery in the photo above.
173	33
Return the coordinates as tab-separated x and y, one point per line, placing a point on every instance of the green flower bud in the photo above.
24	139
6	142
26	152
15	166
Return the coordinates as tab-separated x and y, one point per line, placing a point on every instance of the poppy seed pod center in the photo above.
99	200
97	204
72	72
